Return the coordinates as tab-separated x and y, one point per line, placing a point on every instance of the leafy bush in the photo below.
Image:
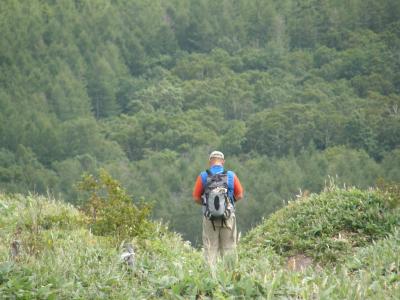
111	211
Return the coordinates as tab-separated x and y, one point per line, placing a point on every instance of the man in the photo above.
218	237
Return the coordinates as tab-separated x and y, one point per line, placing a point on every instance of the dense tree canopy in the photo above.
294	92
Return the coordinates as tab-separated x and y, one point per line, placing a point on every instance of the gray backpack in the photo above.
216	203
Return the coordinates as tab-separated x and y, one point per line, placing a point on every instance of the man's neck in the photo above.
213	165
216	166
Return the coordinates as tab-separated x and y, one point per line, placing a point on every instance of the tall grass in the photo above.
328	226
67	261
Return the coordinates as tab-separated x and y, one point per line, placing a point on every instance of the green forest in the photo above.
298	94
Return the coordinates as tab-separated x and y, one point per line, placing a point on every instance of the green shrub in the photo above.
111	212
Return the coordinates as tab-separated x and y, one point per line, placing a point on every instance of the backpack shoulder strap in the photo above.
204	176
231	177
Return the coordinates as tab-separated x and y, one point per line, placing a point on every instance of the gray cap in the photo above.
216	154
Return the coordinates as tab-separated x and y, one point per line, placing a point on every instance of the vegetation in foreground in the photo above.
329	225
60	258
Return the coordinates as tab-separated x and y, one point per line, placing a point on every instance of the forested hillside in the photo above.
294	92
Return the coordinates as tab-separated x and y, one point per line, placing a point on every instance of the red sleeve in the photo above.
237	188
198	190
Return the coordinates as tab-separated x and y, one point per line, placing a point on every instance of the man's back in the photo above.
218	237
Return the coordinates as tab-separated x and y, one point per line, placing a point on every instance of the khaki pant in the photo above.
220	241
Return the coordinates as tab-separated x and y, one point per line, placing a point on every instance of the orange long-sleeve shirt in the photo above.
198	189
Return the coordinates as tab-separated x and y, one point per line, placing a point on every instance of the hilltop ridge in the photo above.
328	225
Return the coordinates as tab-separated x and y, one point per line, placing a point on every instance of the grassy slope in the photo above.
329	225
60	258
